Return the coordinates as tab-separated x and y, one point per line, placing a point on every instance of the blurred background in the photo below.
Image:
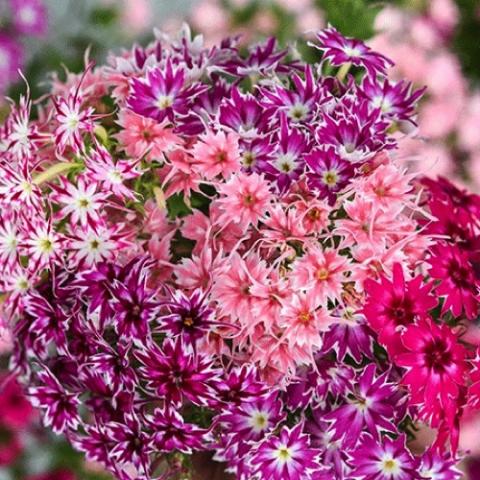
433	42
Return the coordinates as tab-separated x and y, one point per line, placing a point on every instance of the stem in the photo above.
53	171
342	72
159	198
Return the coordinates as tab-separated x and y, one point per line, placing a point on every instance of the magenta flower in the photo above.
175	373
434	465
240	385
394	304
134	305
162	93
171	433
189	316
340	50
387	460
458	282
29	16
287	456
370	407
396	101
11	60
60	407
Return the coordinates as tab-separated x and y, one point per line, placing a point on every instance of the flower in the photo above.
217	154
286	456
245	199
458	282
175	372
329	174
162	93
11	60
394	304
188	316
60	406
370	408
29	16
387	460
340	50
435	363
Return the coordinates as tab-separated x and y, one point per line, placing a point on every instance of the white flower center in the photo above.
299	111
389	465
352	52
164	101
286	163
259	421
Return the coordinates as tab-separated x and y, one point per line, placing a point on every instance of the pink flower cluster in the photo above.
204	250
420	45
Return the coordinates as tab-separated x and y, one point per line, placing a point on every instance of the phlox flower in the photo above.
303	321
435	362
340	50
434	465
387	460
216	154
109	174
394	304
72	121
370	407
83	201
286	456
321	272
142	136
458	282
245	199
283	225
29	16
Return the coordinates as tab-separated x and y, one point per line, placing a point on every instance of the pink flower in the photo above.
217	154
303	321
245	199
321	273
142	136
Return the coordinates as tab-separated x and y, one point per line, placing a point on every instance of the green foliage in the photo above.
354	18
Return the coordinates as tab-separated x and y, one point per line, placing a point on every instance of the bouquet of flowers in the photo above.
210	250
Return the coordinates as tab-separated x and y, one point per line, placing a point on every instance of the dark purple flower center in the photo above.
437	355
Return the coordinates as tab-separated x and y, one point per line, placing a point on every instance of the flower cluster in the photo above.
204	250
19	18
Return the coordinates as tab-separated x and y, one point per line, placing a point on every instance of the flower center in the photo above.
188	321
330	178
284	453
390	466
164	101
322	274
305	317
248	159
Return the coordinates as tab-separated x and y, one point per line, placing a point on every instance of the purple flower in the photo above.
162	93
189	316
396	101
244	114
172	434
287	456
349	335
333	378
241	384
97	444
321	437
288	161
29	16
96	286
176	373
11	60
262	58
130	443
133	304
60	407
388	460
328	173
436	466
252	420
339	50
301	102
371	406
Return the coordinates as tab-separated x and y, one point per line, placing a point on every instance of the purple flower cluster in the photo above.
26	18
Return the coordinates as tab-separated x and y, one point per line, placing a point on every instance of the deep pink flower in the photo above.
11	55
436	363
458	282
393	304
15	410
